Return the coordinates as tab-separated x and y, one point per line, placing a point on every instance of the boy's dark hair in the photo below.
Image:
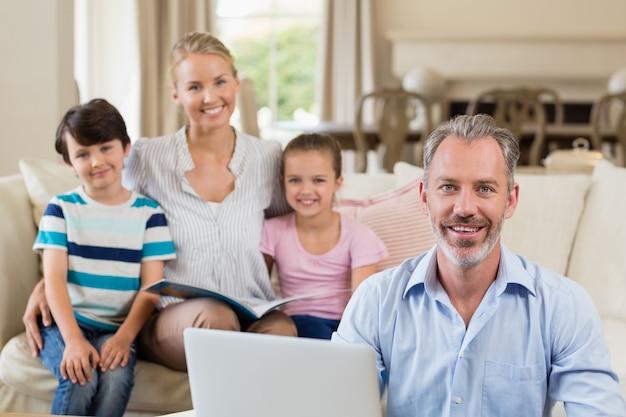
315	142
95	122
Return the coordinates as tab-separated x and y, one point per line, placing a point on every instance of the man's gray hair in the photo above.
472	128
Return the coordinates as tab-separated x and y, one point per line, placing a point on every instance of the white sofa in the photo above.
574	224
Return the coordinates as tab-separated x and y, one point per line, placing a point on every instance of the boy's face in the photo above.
99	167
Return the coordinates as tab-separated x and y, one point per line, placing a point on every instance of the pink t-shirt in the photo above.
300	272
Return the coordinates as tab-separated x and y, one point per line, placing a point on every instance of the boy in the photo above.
100	243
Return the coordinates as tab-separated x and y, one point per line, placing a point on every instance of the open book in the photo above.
244	310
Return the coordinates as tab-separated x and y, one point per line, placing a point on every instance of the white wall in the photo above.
489	18
36	77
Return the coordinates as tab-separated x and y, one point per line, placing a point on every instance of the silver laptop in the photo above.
237	374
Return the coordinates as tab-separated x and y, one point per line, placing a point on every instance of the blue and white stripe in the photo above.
106	246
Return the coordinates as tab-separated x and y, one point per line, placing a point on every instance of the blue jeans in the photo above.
314	327
108	392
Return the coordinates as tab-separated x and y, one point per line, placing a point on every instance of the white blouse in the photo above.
218	251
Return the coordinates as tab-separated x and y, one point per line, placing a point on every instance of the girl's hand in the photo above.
79	358
115	351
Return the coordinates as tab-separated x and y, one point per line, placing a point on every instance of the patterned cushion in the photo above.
396	217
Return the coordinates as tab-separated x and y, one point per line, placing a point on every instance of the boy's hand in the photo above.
115	351
79	358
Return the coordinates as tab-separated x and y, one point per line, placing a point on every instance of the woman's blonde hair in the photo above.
201	43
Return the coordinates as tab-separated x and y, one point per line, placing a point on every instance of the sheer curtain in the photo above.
106	63
122	52
347	65
160	24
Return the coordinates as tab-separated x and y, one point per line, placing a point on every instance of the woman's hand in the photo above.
37	307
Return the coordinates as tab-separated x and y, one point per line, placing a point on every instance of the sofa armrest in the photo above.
19	265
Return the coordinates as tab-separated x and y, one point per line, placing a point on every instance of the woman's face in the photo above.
206	87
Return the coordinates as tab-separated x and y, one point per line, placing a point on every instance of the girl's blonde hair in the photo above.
201	43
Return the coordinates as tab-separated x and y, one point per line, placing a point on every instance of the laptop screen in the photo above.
254	375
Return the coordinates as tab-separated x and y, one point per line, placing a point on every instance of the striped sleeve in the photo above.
158	244
52	233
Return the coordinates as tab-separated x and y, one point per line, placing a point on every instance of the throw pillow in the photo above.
396	217
45	179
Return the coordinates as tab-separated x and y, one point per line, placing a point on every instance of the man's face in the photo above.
467	199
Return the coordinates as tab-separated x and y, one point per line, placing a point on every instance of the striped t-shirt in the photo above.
106	246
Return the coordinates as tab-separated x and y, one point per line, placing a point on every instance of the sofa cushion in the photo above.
359	185
44	180
598	260
18	263
544	224
396	217
406	173
157	389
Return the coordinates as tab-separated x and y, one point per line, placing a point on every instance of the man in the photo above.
469	328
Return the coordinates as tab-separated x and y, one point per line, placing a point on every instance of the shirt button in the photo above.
458	400
462	355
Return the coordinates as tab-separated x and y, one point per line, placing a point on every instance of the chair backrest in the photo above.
608	117
521	110
393	110
248	107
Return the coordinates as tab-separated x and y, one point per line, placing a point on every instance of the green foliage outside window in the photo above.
296	48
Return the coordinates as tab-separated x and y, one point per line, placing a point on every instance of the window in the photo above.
275	44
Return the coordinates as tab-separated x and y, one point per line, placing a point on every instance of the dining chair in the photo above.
248	107
608	118
392	111
522	110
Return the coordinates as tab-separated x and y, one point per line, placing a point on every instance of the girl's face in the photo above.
99	167
310	181
206	88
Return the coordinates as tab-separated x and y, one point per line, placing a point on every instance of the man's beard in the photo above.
477	252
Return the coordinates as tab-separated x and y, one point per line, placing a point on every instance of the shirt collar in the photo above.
510	271
184	162
237	162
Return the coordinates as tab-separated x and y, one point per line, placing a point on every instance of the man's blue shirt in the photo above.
535	338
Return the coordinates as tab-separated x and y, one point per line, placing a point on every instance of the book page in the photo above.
244	311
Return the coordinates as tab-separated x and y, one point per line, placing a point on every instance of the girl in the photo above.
316	248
